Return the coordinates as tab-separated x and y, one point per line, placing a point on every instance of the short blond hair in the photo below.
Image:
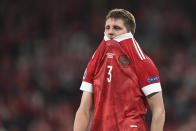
126	16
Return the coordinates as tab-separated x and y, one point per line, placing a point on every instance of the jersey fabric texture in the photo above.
120	76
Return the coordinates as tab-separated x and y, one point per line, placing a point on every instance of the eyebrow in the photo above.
114	26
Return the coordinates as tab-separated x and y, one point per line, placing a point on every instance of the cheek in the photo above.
124	31
104	32
121	32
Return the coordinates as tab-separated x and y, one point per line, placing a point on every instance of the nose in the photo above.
110	33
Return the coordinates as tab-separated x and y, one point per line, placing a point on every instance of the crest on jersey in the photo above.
85	73
124	61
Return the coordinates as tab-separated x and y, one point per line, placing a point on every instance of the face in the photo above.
114	27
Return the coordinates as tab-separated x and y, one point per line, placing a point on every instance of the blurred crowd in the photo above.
45	46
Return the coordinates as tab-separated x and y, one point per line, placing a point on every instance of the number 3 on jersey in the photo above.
109	73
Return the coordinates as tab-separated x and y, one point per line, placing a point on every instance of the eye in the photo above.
107	27
117	28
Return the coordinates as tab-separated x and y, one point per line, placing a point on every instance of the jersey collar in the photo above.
120	37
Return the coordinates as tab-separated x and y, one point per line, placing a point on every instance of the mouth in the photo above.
111	36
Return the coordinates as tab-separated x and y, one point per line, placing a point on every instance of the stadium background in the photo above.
45	46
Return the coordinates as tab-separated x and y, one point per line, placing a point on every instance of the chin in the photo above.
111	37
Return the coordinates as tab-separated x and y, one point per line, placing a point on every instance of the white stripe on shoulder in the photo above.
93	55
140	49
137	49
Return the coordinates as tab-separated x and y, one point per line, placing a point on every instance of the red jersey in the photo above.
120	75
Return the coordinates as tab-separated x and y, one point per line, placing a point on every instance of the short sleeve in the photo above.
148	76
87	83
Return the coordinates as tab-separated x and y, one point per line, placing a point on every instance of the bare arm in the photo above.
156	104
84	111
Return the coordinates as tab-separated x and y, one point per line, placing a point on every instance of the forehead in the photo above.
113	21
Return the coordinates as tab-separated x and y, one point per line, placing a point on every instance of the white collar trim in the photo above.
120	37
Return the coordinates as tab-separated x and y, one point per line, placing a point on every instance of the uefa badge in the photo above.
153	79
85	73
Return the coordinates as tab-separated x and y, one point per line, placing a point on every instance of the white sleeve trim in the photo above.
152	88
85	86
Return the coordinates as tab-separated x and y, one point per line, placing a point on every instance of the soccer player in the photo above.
120	82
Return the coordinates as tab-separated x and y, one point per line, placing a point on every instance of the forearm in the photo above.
158	120
156	104
81	120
